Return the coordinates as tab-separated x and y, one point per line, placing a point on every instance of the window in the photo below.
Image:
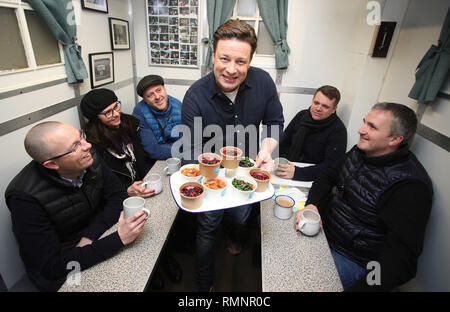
247	10
26	41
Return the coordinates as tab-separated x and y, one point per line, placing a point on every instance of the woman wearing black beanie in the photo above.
114	136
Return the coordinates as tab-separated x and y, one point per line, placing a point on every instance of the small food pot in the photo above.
209	164
215	188
191	194
190	173
262	178
230	156
245	164
244	194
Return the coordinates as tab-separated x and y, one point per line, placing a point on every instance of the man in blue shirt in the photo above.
235	99
158	113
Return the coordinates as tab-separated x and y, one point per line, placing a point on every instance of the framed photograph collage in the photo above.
173	32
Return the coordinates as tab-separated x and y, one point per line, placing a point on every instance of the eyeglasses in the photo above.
75	148
109	113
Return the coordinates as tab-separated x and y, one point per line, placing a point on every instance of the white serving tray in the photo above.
229	199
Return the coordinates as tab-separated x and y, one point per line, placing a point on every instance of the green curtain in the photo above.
60	19
274	14
218	12
434	67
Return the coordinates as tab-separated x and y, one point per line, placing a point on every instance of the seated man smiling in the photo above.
62	202
375	202
158	113
315	135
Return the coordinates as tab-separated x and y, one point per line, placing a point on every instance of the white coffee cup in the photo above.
153	181
279	161
134	204
173	165
283	206
309	223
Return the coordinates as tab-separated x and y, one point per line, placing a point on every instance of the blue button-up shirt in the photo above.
256	103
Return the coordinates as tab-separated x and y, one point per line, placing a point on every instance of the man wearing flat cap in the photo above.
158	113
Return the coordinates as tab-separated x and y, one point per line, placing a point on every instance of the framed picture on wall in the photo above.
101	68
95	5
172	37
120	35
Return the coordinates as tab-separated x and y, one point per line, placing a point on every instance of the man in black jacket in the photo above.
375	221
62	202
315	135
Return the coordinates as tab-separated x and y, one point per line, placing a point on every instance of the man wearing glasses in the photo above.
62	202
158	113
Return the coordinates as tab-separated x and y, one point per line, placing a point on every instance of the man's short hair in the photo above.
330	92
404	120
236	29
34	143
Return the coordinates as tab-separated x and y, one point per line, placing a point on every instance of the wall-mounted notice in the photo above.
173	32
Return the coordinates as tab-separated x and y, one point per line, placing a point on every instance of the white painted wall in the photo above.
371	72
433	272
420	29
329	41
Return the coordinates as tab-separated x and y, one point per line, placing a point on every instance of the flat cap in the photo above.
148	81
95	101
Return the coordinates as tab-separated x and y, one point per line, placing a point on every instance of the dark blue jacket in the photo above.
152	141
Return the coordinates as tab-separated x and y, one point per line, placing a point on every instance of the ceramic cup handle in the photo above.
301	224
147	211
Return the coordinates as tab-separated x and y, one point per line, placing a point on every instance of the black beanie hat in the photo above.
148	81
95	101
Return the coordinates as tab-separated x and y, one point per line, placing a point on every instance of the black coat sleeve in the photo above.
288	135
334	151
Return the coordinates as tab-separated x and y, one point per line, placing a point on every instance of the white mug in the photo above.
309	223
283	207
279	161
134	204
153	181
173	165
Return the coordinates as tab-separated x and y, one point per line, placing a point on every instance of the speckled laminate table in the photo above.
293	262
290	261
130	269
